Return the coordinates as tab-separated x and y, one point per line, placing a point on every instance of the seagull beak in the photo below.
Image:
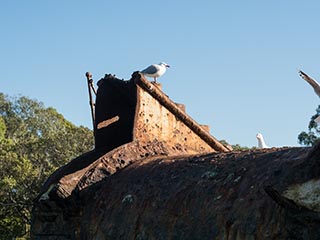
167	66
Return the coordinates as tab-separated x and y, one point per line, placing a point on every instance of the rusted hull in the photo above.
236	195
217	196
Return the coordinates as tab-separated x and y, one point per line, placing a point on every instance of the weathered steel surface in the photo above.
58	207
236	195
154	121
215	196
178	113
114	112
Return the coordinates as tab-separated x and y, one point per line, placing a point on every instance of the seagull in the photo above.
315	85
155	70
261	143
312	82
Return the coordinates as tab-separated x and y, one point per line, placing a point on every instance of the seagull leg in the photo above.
155	79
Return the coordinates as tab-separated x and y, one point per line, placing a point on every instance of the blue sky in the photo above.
234	64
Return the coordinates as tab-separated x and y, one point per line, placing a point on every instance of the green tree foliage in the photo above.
34	141
235	147
311	137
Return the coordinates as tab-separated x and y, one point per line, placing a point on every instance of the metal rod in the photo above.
90	86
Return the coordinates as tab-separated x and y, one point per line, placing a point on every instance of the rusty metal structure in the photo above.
137	110
155	173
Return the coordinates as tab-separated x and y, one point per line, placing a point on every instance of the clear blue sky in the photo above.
233	63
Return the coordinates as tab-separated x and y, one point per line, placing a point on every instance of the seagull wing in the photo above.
312	82
152	69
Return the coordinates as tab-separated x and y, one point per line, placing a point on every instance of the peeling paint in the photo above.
306	194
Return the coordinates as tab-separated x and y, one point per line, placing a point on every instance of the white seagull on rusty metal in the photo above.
155	70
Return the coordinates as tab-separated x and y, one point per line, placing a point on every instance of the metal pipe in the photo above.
90	83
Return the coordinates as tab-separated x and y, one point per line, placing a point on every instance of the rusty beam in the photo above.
154	91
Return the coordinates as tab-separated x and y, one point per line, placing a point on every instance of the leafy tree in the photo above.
238	147
34	141
311	137
235	147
